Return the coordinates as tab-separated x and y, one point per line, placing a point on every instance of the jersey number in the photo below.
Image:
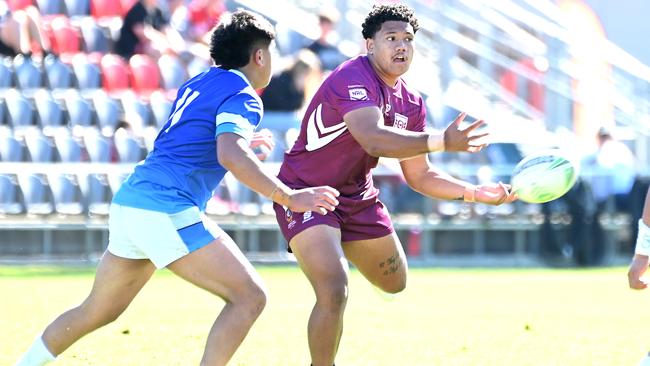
182	103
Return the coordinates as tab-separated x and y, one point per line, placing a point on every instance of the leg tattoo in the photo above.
391	265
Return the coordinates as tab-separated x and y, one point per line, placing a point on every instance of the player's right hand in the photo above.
495	194
457	140
637	268
318	199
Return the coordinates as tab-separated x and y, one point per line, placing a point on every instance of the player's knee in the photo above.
333	295
253	297
258	299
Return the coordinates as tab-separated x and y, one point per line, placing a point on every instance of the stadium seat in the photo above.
68	146
145	77
20	110
77	7
454	209
66	194
12	148
97	193
149	137
28	73
218	206
41	149
105	8
4	117
97	146
9	195
66	38
79	110
172	72
127	5
59	74
19	4
136	112
86	72
128	148
196	66
6	73
115	181
50	7
160	106
94	37
115	73
107	110
36	193
49	110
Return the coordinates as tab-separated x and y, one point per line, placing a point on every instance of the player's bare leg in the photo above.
222	269
117	281
319	253
381	261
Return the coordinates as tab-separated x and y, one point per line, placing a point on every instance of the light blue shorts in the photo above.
162	238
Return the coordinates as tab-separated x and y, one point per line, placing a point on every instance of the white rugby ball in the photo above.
544	176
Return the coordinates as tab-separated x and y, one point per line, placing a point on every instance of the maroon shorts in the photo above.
357	220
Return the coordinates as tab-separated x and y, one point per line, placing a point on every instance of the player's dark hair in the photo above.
234	39
383	13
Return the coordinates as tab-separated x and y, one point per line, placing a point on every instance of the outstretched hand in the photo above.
495	194
318	199
457	140
637	268
262	144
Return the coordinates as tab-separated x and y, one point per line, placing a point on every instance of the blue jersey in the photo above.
183	170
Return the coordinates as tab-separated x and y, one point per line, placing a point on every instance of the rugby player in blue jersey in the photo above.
156	217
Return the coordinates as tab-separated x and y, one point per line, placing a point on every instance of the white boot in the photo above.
645	361
37	355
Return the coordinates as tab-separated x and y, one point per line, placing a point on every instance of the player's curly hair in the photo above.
234	39
383	13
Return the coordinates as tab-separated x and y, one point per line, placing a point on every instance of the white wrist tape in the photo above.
469	194
643	239
409	158
436	141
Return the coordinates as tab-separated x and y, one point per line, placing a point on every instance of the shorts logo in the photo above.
288	215
401	121
307	216
357	93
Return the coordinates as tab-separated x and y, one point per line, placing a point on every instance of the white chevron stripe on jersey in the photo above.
315	129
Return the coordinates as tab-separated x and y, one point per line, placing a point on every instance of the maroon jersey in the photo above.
325	152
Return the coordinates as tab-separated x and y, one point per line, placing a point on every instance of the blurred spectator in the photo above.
21	31
325	47
606	189
288	90
192	23
285	97
145	31
614	172
203	15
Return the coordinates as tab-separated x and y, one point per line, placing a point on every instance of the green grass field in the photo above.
500	317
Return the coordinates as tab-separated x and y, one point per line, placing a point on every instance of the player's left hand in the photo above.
637	268
495	193
262	144
457	140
